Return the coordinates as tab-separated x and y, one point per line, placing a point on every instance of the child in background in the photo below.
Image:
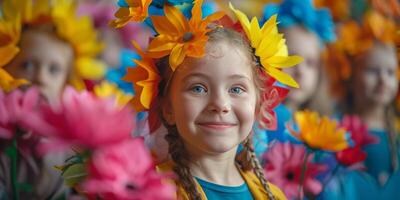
207	89
54	46
307	31
49	46
367	53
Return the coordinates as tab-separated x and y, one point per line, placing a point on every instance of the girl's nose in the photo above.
219	103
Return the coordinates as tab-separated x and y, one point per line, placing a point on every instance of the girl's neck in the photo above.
217	168
373	116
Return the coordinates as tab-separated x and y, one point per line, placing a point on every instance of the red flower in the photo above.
360	137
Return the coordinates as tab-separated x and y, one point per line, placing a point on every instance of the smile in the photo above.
216	125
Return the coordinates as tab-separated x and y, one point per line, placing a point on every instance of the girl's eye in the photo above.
198	89
236	90
27	65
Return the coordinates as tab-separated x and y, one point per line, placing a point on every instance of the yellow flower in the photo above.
137	12
8	83
269	46
319	133
10	31
145	80
107	89
78	31
179	37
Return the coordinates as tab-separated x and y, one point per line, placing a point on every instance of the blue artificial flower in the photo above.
160	3
115	75
185	6
122	3
302	12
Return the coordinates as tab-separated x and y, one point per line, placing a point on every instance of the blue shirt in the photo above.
220	192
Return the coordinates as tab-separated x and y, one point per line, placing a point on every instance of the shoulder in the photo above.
167	167
277	191
257	189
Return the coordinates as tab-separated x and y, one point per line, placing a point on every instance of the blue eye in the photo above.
236	90
198	89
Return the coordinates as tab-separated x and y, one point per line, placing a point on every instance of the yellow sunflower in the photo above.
269	46
319	133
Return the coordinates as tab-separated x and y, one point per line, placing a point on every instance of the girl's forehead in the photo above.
221	59
383	56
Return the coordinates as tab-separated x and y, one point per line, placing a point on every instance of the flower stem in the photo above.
13	157
303	174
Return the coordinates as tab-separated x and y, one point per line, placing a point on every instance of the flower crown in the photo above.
294	12
79	32
180	37
354	39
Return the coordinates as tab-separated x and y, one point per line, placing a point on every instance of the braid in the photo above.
258	170
179	155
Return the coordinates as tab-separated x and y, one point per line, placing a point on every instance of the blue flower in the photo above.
160	3
115	75
302	12
185	6
122	3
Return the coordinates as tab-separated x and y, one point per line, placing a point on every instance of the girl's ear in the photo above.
168	113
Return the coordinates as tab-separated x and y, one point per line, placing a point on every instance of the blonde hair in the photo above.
247	159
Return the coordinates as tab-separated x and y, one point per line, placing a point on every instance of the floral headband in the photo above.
180	37
294	12
79	32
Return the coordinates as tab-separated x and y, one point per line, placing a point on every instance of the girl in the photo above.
209	106
54	46
375	85
370	92
207	87
307	31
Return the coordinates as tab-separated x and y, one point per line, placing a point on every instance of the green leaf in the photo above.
74	174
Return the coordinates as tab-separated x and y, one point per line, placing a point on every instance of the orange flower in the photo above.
8	83
179	37
319	133
340	9
145	80
137	11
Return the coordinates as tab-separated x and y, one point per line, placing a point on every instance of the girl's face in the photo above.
305	44
44	60
212	100
376	80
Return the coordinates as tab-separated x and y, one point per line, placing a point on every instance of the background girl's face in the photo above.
305	44
376	78
44	60
212	100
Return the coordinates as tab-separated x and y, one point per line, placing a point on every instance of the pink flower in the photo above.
125	171
284	162
18	110
86	121
360	138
